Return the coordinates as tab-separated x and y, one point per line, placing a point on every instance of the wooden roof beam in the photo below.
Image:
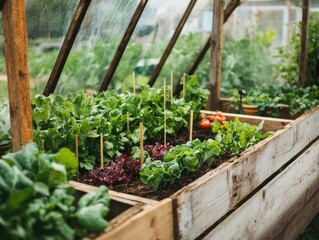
123	44
231	6
171	43
66	46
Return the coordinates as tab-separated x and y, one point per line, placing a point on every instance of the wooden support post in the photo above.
231	6
172	42
15	33
123	44
66	46
303	45
216	56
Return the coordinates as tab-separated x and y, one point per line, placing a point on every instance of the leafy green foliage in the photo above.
5	135
238	136
191	156
247	61
298	99
58	119
179	160
288	68
36	201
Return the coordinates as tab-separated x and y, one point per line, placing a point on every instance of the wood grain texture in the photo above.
272	213
14	24
216	43
232	181
156	222
171	43
123	44
303	44
66	46
120	197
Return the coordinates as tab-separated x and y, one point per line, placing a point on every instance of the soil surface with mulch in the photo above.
137	188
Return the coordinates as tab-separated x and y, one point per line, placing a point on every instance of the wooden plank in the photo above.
270	124
232	181
123	44
121	197
269	213
14	24
215	70
153	223
66	46
231	6
303	44
171	43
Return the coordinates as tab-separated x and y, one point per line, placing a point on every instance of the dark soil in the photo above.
137	188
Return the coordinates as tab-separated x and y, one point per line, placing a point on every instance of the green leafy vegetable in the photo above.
36	201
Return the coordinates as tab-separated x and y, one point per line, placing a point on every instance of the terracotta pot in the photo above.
249	109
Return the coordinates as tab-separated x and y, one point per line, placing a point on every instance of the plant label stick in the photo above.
141	144
184	85
77	150
191	126
101	151
133	80
164	111
171	88
127	122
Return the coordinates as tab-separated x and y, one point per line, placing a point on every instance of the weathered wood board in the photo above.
137	218
282	208
203	202
154	222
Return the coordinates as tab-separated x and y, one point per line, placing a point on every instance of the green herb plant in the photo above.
36	201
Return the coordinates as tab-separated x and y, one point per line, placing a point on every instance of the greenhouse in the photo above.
157	119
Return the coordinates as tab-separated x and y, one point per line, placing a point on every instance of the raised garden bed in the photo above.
203	204
132	216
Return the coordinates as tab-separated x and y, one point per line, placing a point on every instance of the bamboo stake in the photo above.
171	88
184	85
133	79
141	144
127	122
164	111
191	126
77	150
101	151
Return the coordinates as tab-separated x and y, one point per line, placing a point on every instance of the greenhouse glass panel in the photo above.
149	41
100	34
47	24
193	37
253	38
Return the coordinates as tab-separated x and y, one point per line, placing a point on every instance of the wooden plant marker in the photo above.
141	144
101	151
164	111
127	122
134	83
191	126
184	85
77	151
171	88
